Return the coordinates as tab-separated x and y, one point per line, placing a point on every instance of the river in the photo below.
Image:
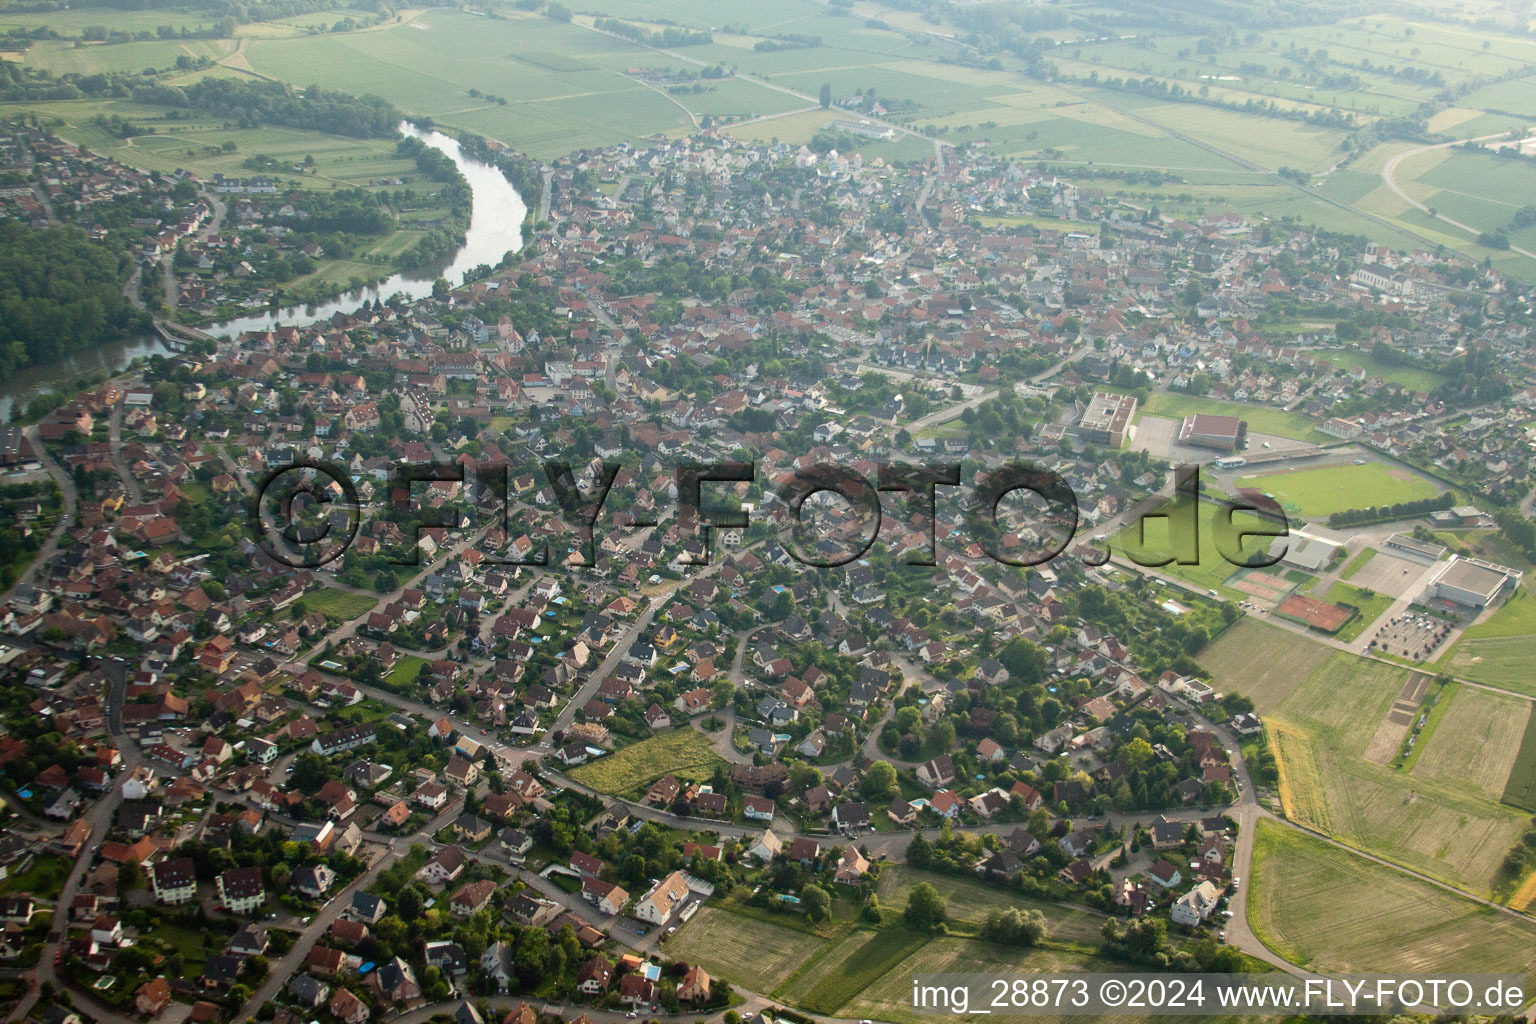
495	229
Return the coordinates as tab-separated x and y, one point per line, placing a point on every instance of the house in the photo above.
312	880
152	997
766	847
593	977
694	988
1196	905
347	1008
472	898
636	990
758	808
1165	874
851	868
851	818
901	812
394	982
366	908
662	899
308	991
607	897
241	890
937	773
445	865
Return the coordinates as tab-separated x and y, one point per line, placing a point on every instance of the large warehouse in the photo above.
1472	582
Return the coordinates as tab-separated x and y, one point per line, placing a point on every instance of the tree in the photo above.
1015	927
878	780
826	94
816	902
926	909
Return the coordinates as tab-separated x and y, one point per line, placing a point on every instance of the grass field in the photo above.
1262	662
1521	789
1408	376
1317	493
1370	603
1477	742
889	996
846	967
970	901
1503	661
1330	910
1211	568
1261	419
1360	561
405	671
683	752
756	954
339	604
1432	821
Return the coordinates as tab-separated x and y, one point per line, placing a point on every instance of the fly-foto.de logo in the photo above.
307	513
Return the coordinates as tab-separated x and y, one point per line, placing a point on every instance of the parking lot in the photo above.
1411	635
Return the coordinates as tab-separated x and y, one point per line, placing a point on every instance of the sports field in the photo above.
1330	910
1370	604
1211	567
1328	489
683	752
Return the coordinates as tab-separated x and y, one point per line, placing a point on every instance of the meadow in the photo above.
1330	910
684	752
756	954
1429	821
1318	493
971	900
339	605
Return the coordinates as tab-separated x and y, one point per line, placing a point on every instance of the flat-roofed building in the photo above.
1408	544
1472	582
1107	420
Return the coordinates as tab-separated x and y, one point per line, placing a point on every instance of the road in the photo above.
1389	176
115	433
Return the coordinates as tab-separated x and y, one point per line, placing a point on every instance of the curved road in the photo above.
1388	175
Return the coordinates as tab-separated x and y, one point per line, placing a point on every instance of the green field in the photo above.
971	900
889	997
1264	663
1360	561
1318	493
1211	568
1436	822
1261	419
1330	910
1503	661
338	604
845	968
1408	376
1521	790
755	954
1370	604
405	671
684	752
1476	742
